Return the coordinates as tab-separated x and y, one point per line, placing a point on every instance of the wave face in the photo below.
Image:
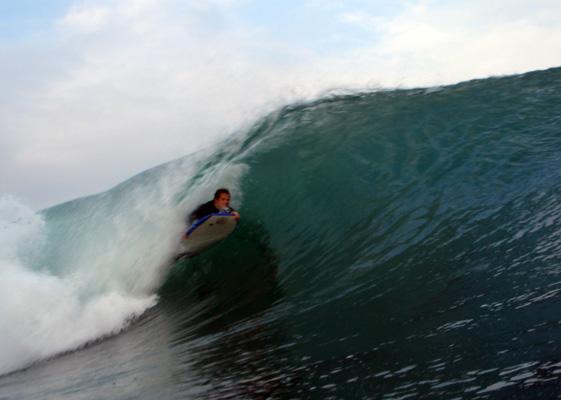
393	244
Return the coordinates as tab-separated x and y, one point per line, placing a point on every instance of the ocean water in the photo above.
393	244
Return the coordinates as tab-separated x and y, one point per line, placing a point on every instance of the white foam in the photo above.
42	315
91	266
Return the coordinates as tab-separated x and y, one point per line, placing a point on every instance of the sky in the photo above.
96	91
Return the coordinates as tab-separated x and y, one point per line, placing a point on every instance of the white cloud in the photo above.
433	42
85	19
362	19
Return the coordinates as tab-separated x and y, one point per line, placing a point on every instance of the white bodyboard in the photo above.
206	232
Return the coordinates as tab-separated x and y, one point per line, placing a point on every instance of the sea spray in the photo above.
83	270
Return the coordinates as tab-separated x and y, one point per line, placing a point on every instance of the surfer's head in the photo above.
222	198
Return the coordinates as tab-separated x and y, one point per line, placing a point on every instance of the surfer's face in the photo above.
223	201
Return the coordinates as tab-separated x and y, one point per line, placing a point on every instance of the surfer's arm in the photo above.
199	212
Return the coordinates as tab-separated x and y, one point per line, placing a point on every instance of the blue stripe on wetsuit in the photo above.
198	222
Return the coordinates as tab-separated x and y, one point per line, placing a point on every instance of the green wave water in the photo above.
397	244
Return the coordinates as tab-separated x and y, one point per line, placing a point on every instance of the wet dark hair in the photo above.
221	191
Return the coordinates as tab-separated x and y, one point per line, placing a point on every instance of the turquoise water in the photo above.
397	244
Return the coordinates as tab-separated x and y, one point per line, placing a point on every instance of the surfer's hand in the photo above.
236	215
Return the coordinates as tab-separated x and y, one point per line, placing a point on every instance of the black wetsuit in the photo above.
205	209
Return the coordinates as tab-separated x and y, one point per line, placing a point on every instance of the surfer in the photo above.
204	232
220	203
